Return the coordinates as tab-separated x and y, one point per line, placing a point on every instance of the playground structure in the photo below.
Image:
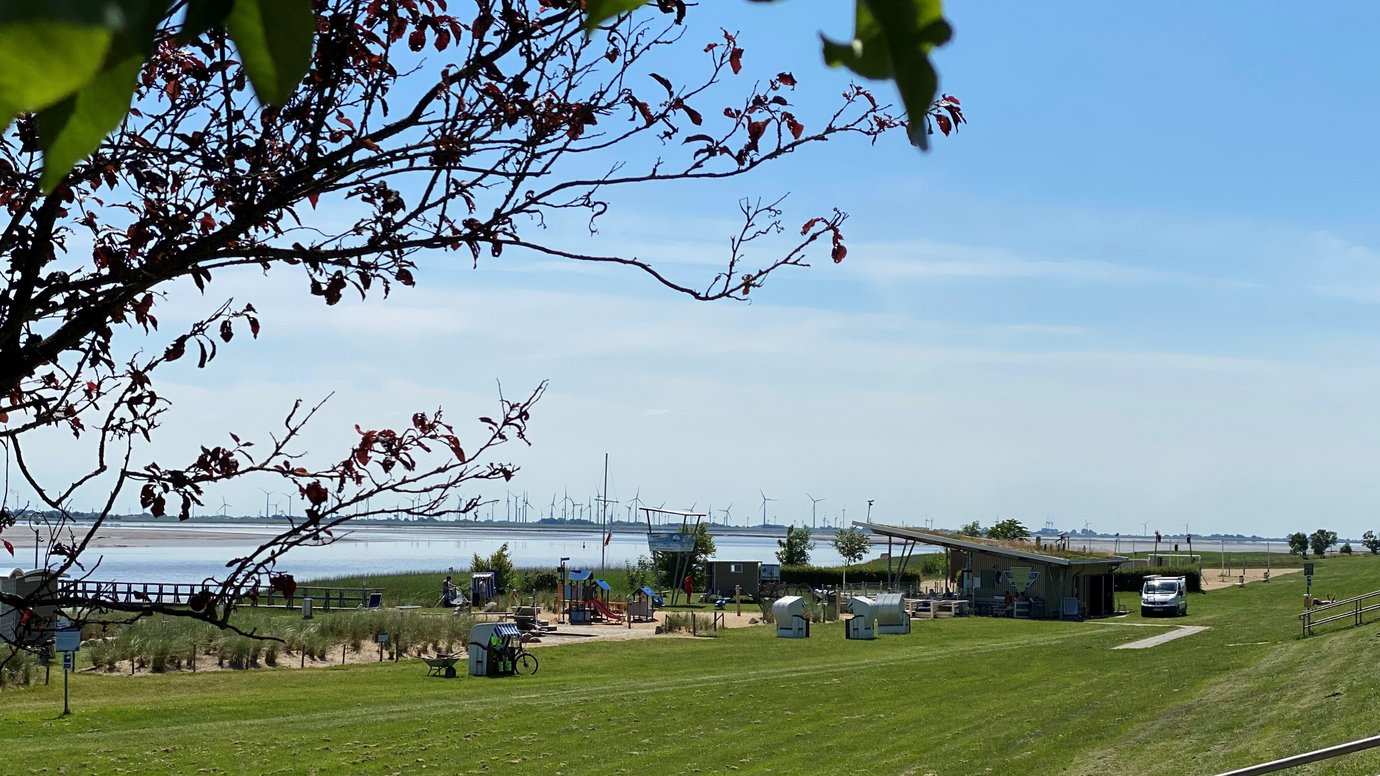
791	622
496	650
642	603
575	596
678	543
863	623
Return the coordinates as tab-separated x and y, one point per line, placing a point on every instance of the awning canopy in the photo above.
976	545
602	584
577	575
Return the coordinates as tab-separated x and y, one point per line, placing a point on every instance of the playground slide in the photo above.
608	614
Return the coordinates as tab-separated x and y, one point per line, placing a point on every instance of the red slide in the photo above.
608	614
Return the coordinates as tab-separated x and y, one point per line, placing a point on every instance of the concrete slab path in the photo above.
1178	632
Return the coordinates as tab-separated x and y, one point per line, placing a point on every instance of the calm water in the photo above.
381	550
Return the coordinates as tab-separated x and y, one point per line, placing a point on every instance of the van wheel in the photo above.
1144	612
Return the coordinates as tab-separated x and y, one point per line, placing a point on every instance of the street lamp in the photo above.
33	526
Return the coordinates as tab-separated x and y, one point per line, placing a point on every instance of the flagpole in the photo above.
604	545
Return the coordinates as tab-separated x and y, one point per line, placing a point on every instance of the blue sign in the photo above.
69	661
67	639
671	542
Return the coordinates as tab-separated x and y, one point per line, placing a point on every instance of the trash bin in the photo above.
306	608
862	625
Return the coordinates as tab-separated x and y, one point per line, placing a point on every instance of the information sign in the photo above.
1308	569
69	661
67	639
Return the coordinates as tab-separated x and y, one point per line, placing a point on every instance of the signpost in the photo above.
67	640
1308	583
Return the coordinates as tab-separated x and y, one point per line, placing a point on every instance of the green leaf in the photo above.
274	39
43	61
203	15
601	11
867	53
70	130
893	39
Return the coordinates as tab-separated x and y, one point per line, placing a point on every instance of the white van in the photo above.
1164	595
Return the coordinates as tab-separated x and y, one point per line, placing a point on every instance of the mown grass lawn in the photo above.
958	696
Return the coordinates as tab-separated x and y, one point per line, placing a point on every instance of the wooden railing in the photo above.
1353	609
179	593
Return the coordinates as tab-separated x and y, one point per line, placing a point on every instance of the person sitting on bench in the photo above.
449	593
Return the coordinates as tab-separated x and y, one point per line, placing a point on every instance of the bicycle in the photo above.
524	663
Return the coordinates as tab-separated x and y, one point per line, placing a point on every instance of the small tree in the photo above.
643	572
1370	542
852	545
500	563
1298	543
1322	539
971	529
1346	549
795	548
1010	528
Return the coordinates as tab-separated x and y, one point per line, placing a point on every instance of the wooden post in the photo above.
738	598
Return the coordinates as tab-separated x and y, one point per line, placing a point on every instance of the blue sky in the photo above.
1141	286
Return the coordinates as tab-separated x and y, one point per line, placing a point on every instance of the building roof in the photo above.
990	546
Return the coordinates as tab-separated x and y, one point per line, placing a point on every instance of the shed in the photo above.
1039	578
27	583
725	575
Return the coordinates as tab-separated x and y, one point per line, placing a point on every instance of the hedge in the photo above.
821	576
1132	580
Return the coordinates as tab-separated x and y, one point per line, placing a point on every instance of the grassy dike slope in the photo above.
959	696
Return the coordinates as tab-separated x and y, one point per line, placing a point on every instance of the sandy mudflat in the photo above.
1212	578
171	535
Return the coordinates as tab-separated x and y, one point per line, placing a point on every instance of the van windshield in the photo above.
1162	586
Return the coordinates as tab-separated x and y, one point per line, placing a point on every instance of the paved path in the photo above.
1154	641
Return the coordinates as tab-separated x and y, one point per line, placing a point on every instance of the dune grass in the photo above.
957	696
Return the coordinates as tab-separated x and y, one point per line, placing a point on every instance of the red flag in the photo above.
608	537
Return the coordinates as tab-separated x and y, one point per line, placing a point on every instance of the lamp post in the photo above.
33	526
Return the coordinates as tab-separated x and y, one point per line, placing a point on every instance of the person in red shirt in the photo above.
688	585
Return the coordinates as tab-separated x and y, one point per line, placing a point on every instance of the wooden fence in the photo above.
179	593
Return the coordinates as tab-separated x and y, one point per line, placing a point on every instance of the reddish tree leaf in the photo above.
735	60
8	546
785	79
665	83
417	40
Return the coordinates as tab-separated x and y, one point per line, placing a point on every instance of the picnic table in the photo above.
442	665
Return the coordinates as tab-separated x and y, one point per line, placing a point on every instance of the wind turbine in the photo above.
266	495
764	505
814	502
728	514
224	505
